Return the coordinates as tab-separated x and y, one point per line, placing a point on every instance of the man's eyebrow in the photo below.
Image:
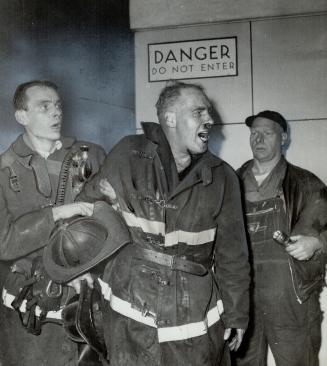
200	108
43	101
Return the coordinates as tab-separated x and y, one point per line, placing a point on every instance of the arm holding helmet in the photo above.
24	227
25	234
80	244
72	209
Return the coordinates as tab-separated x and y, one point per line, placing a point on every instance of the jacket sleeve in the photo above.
30	231
27	233
97	155
110	170
91	190
231	256
312	218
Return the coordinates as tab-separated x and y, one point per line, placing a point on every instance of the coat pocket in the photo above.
143	287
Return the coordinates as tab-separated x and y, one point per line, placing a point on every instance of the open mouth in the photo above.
204	136
56	126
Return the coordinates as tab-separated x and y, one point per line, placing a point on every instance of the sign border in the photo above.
194	40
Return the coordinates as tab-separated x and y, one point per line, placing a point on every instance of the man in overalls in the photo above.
286	278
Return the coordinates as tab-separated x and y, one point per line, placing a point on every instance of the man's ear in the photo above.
170	119
21	117
284	138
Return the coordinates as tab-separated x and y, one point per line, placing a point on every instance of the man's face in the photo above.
43	115
193	121
266	139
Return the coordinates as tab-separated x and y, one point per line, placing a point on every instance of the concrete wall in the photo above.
146	14
281	66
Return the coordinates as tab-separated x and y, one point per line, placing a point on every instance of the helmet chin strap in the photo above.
82	319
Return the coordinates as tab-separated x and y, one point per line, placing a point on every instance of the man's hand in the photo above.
304	247
107	189
76	282
72	209
236	340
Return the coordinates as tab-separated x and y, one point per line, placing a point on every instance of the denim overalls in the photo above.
291	329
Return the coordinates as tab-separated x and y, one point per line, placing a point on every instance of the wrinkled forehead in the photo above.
193	97
38	94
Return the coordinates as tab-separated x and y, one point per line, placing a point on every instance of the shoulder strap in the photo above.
8	158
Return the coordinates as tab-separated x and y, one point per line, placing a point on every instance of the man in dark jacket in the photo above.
180	290
287	278
40	175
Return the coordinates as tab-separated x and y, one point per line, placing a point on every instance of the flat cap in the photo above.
272	115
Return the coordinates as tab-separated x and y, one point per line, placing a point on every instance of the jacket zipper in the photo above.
292	277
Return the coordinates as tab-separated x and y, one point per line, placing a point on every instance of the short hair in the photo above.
20	98
170	93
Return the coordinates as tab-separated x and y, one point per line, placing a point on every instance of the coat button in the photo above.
163	322
163	282
160	323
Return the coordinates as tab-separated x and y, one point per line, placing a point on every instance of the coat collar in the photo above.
155	134
25	153
159	143
201	171
21	149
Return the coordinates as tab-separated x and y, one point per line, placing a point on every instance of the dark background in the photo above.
87	48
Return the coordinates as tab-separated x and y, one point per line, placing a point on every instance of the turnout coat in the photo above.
187	267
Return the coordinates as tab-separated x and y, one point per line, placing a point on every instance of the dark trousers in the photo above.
292	330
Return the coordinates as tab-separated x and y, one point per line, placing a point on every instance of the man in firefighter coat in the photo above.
179	293
40	175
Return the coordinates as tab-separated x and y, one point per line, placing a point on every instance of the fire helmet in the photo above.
80	243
